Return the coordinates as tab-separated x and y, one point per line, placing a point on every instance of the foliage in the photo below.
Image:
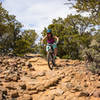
11	36
92	55
92	52
26	43
72	35
90	6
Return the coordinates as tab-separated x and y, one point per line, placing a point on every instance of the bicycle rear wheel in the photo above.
51	60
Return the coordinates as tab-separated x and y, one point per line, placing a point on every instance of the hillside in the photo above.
30	78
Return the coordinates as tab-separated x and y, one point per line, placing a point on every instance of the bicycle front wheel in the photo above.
51	61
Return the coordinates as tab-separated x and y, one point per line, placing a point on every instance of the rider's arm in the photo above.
43	39
57	39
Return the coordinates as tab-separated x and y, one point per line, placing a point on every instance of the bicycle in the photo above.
51	57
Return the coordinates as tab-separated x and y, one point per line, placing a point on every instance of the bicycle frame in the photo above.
50	48
50	57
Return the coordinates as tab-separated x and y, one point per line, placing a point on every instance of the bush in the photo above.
66	57
92	56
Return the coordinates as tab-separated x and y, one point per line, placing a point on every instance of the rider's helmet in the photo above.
49	31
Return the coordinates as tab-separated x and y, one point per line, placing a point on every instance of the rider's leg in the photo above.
55	51
47	49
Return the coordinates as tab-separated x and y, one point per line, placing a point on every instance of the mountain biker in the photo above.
53	40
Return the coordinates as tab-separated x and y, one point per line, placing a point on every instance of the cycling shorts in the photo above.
53	45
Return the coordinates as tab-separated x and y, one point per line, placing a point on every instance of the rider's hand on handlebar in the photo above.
42	45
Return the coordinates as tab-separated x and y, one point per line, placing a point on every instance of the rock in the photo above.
85	94
69	85
52	88
77	89
32	69
31	87
33	60
63	87
25	73
57	92
15	94
68	79
85	85
33	92
23	64
51	82
20	81
92	79
1	95
1	84
60	98
25	97
47	97
4	94
11	87
29	65
12	77
40	88
98	86
10	54
96	93
23	86
26	63
3	90
41	74
1	62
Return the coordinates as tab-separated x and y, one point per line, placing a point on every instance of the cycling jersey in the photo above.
51	41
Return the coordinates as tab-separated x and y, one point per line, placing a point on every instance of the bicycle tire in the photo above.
51	61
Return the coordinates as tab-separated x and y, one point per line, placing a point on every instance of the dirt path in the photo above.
31	79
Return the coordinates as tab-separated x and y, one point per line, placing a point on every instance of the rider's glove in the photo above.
42	45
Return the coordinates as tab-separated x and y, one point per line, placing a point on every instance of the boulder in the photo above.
97	93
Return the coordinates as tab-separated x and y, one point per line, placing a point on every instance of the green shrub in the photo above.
92	55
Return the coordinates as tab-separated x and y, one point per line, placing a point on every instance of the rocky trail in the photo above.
30	78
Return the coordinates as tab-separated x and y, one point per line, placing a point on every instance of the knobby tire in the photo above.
51	61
